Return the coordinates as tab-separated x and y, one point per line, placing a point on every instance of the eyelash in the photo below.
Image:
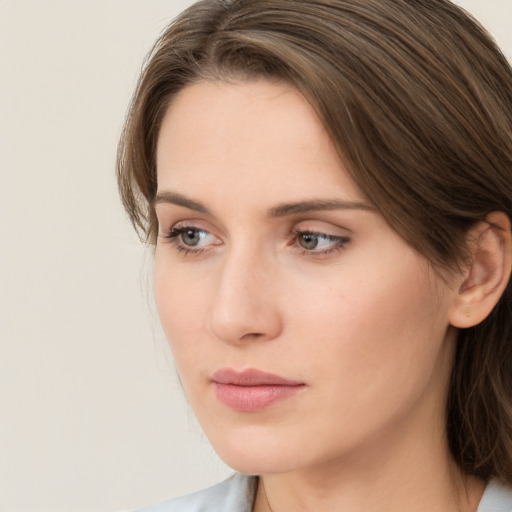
340	242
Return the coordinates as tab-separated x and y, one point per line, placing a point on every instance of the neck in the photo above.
445	490
408	471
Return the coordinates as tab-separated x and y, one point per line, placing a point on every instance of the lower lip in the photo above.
253	398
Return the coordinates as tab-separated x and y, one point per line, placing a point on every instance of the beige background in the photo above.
92	417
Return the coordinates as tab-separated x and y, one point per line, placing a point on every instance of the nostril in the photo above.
253	336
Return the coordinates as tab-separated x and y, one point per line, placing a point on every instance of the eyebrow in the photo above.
167	197
284	209
281	210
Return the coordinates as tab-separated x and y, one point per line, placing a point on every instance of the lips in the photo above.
252	390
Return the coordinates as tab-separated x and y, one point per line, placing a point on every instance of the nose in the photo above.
245	306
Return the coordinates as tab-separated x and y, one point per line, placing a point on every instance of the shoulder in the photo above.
236	494
497	498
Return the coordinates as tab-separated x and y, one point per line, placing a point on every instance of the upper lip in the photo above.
251	377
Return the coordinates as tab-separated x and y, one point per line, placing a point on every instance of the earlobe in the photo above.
487	273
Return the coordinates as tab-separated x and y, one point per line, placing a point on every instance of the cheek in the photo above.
382	341
181	305
373	311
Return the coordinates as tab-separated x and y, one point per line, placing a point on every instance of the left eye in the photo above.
319	241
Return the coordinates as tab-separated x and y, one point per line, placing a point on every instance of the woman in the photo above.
328	187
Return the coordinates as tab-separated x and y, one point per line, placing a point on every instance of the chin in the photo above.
259	453
263	463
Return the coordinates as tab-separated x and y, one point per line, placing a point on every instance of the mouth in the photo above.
252	390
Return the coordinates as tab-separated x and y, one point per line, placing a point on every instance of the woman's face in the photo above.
304	329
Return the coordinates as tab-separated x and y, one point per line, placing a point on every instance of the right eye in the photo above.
190	239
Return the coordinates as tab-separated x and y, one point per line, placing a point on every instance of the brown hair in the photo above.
418	100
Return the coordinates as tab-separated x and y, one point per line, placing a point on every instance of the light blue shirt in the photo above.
236	494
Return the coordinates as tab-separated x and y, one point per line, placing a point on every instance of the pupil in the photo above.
309	241
191	237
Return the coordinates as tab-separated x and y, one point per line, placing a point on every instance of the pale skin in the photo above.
270	257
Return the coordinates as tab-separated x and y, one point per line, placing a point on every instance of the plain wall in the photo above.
92	414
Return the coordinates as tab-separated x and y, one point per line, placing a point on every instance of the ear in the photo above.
487	274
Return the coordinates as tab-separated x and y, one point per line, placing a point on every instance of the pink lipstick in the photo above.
252	390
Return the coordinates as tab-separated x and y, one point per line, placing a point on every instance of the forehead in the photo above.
248	135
